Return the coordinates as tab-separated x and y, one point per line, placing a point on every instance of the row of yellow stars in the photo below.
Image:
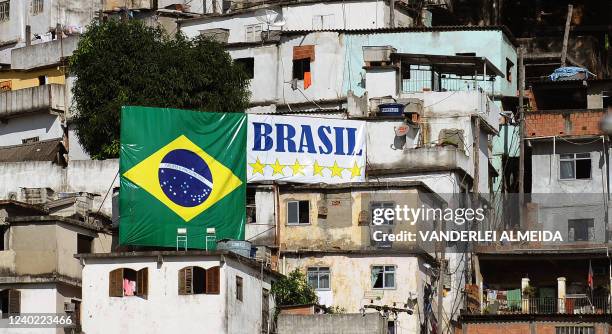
297	168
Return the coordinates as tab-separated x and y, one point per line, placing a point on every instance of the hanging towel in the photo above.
514	298
307	79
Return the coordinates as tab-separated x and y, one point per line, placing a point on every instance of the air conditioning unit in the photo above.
69	307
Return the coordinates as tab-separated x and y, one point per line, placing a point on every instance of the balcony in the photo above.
434	158
43	54
571	304
35	99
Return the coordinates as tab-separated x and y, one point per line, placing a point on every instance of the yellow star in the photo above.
258	167
277	168
297	168
336	171
317	169
355	170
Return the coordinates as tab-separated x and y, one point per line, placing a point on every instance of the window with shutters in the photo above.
10	301
239	288
192	281
213	280
125	282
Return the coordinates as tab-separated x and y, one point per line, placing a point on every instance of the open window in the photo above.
84	244
192	281
575	166
298	212
247	65
302	57
196	280
125	282
10	301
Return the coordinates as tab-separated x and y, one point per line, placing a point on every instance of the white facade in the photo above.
42	125
70	14
164	310
92	176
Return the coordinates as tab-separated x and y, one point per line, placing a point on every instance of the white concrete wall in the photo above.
76	177
366	14
326	69
351	285
65	12
45	126
164	311
262	232
35	298
75	150
264	82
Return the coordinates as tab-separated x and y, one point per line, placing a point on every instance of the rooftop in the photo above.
159	256
44	150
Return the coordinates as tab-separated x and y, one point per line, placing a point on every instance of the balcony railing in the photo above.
581	304
45	97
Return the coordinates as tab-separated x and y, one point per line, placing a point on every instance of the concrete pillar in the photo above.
525	300
561	294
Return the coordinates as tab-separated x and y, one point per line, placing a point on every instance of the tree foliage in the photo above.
120	63
293	290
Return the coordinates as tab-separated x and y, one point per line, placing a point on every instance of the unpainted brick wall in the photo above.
578	123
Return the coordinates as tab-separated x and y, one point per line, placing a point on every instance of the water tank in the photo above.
239	247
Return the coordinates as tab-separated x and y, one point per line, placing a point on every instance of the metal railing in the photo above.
423	79
542	305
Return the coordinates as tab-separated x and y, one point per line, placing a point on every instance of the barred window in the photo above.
5	9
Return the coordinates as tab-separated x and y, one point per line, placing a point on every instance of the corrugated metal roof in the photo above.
46	150
501	28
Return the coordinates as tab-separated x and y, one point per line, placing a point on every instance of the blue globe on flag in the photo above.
185	178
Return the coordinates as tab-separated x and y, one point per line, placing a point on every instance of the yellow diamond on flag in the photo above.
184	177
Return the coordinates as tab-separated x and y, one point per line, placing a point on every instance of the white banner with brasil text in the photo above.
305	149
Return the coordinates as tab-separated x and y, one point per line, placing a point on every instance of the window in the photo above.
320	22
318	277
196	280
251	207
10	301
239	288
84	244
383	206
125	282
383	277
575	330
509	66
580	230
391	327
3	238
30	140
265	310
5	9
575	166
247	65
42	80
253	32
303	55
37	6
298	212
300	68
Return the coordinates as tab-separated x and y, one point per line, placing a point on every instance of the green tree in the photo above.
125	62
293	290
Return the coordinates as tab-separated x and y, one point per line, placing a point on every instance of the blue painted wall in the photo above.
491	44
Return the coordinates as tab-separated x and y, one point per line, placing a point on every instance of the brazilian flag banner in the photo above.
180	170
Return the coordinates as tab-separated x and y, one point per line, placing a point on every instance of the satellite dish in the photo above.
279	23
267	16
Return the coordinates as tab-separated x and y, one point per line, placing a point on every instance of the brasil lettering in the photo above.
324	139
305	149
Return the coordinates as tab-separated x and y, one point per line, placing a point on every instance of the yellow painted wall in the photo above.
21	80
